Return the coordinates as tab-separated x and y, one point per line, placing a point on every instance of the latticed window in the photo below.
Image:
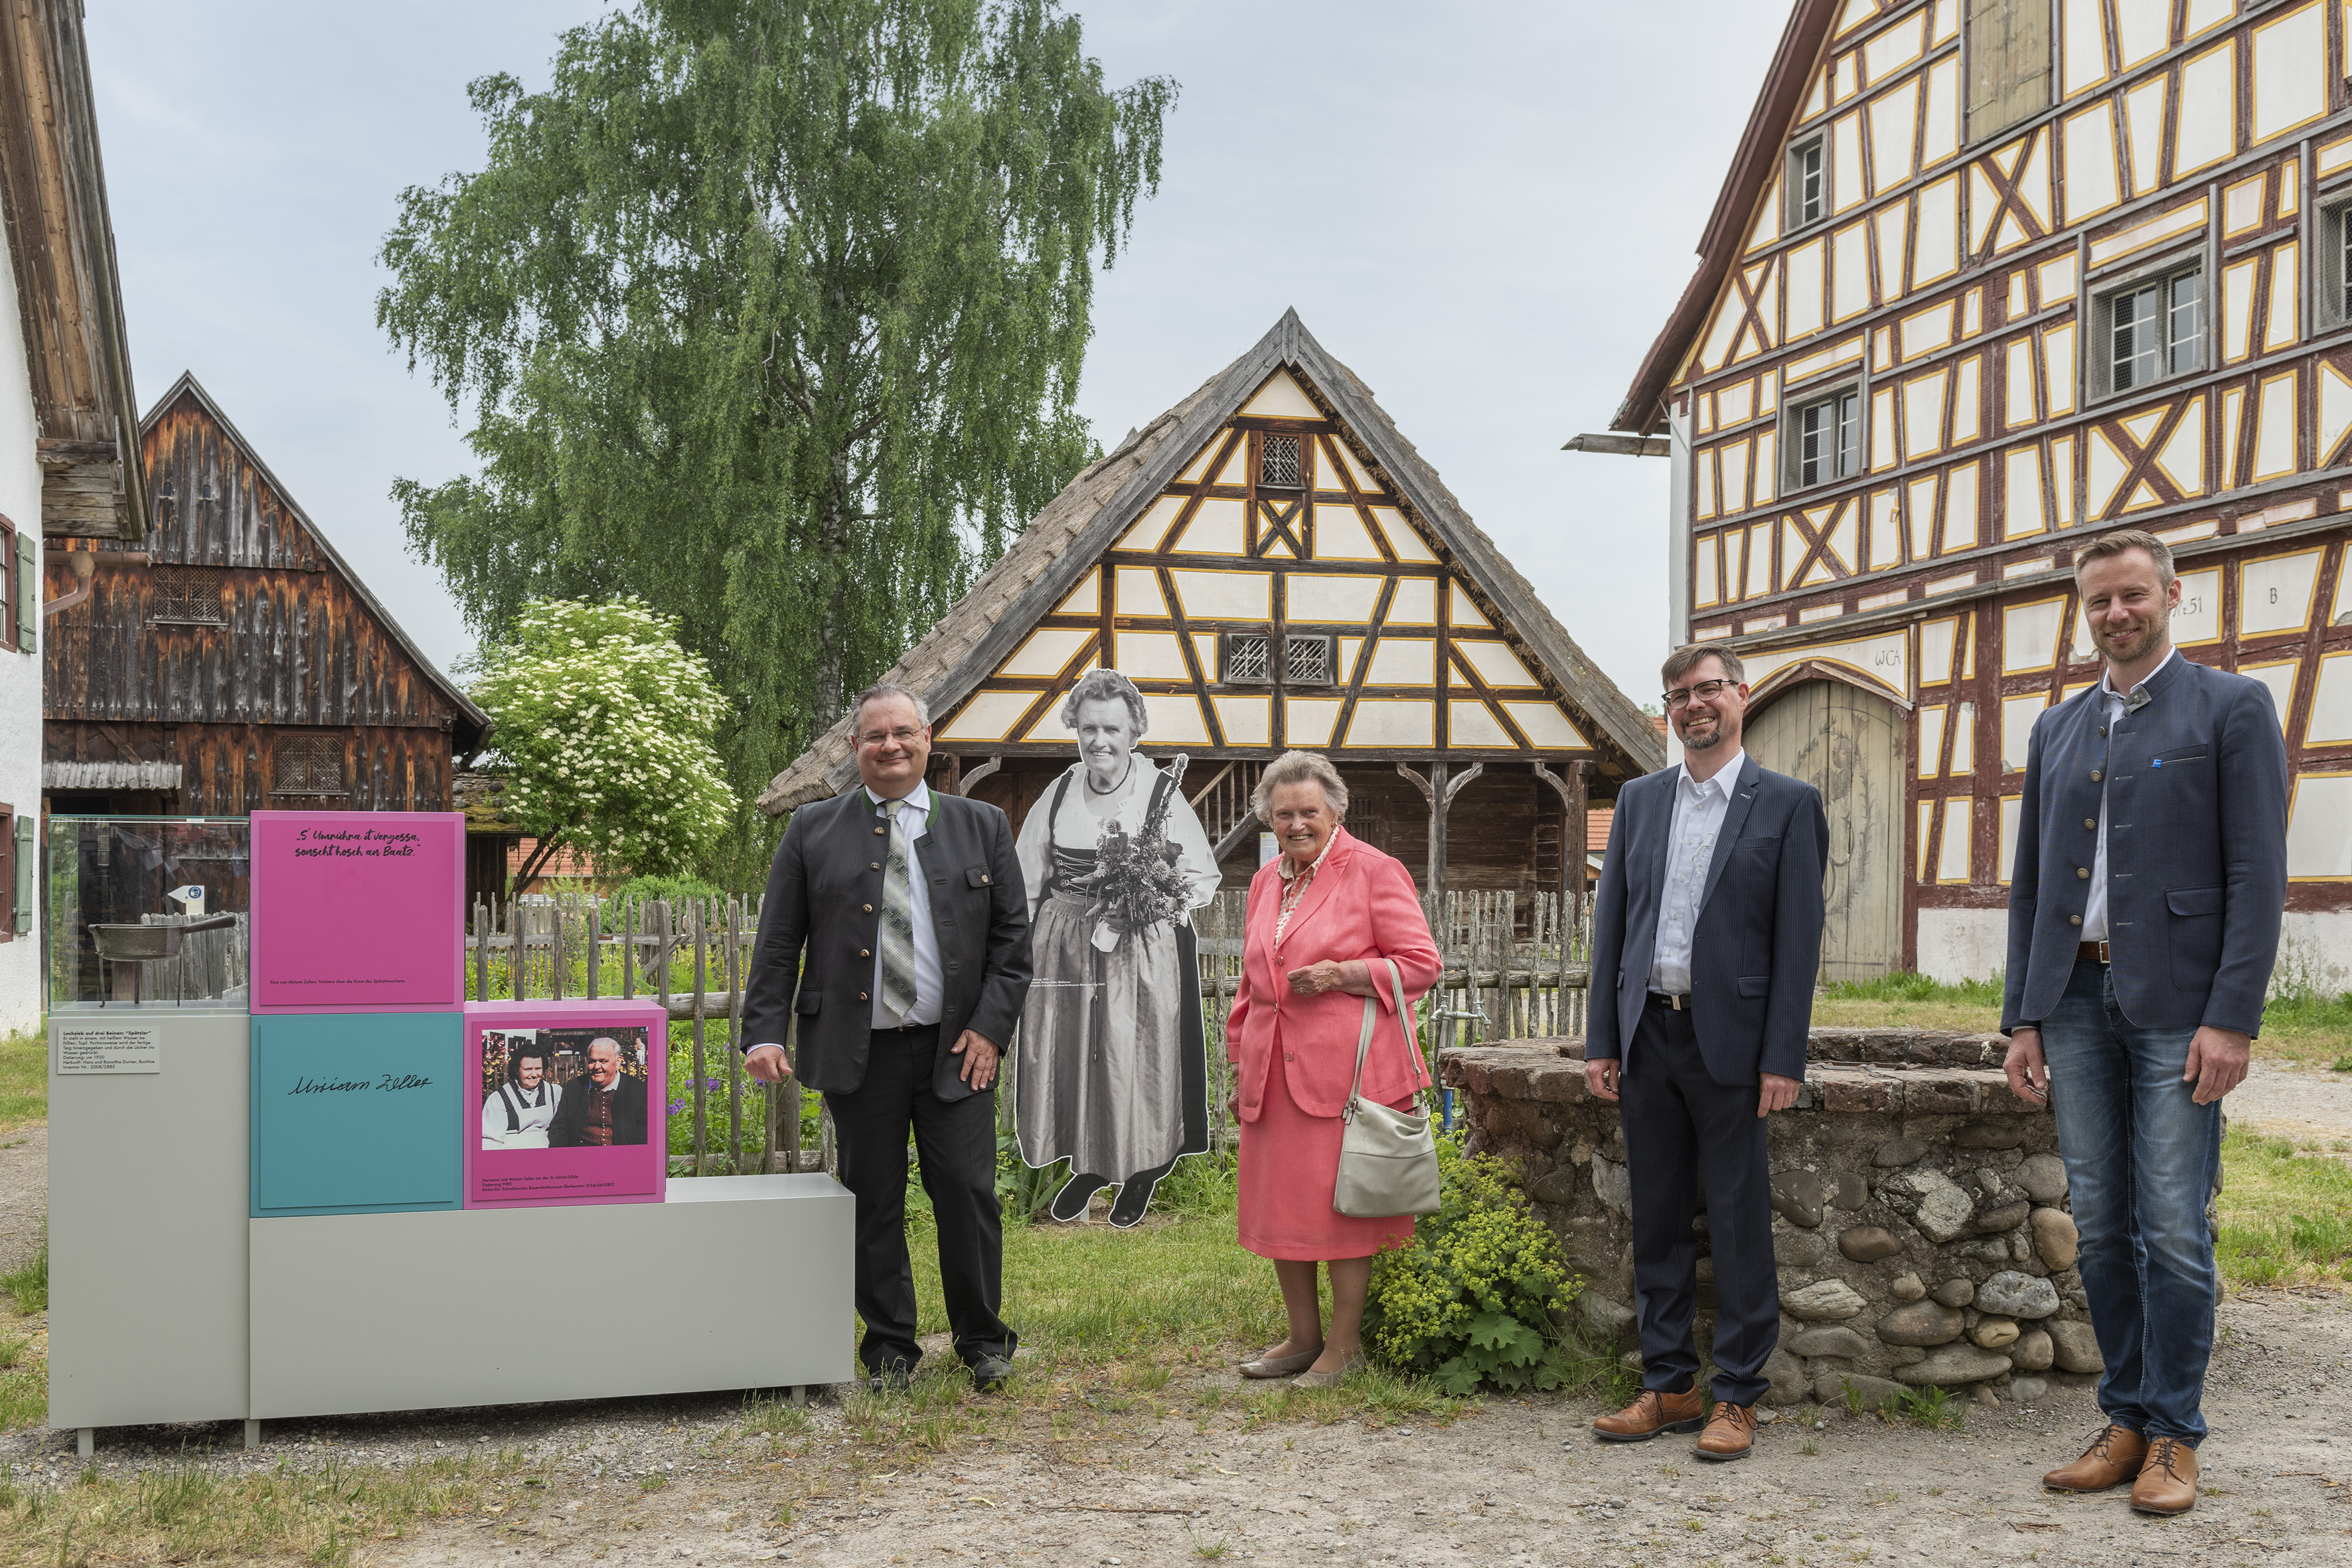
1828	439
1249	658
1808	181
1278	460
307	765
190	593
2156	329
1307	661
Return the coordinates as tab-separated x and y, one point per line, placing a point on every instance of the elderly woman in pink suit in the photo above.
1325	920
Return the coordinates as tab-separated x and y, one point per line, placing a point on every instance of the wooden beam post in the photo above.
1573	791
1439	791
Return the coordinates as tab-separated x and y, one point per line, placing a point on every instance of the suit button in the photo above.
2092	823
870	908
2074	919
1288	1058
861	995
861	953
879	831
874	864
2095	775
2083	872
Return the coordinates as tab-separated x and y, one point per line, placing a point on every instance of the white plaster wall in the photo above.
1963	944
20	674
2314	953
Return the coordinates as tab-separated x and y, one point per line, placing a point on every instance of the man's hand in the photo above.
2029	1075
767	1064
1601	1076
980	1057
1317	978
1778	1094
2217	1060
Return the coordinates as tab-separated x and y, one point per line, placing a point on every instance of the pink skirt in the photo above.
1289	1165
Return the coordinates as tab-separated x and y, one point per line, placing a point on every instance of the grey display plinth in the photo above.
734	1282
147	1218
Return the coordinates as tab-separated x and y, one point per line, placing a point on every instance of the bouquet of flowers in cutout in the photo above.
1136	882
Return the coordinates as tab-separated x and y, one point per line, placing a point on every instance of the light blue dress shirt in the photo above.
1699	809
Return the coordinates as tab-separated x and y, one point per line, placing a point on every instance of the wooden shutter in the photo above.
28	594
27	850
2008	64
9	858
8	617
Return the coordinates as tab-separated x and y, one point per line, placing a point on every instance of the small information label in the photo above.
96	1048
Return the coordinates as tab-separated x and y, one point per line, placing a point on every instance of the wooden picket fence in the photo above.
1508	974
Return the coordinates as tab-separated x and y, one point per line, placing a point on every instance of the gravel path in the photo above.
2308	1104
1514	1485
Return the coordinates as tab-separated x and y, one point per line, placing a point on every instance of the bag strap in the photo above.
1364	1039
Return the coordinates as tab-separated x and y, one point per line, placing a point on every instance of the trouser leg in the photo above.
2175	1155
2091	1100
955	1140
1662	1165
1738	1177
871	1123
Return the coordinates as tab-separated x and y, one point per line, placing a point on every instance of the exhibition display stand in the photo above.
311	1205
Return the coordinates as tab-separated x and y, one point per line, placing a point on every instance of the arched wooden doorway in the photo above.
1849	745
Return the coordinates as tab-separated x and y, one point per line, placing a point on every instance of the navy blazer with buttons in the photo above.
2196	785
824	892
1757	949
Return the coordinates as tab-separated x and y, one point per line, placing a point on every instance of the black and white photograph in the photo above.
1110	1072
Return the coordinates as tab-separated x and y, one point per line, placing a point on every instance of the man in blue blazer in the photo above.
1707	939
2143	921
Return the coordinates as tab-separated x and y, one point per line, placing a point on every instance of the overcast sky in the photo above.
1484	209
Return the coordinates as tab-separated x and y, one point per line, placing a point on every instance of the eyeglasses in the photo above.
904	736
1704	691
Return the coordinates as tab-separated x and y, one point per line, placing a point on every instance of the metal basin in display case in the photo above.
142	907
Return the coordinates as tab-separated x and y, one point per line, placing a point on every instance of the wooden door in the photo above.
1849	745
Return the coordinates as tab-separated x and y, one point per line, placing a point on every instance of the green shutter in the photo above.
28	849
28	624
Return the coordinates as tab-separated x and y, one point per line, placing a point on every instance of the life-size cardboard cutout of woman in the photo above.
1110	1072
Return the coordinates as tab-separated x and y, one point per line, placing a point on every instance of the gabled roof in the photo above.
1752	168
468	714
1098	506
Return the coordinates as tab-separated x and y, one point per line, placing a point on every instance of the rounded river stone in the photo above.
2074	1347
1956	1292
1905	1288
1869	1243
1898	1152
2009	1216
2043	1177
1949	1366
2032	1353
1994	1333
2016	1295
1829	1300
1797	1197
1830	1340
2056	1237
1921	1323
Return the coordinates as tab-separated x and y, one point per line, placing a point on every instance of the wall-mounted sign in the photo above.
358	911
104	1046
566	1103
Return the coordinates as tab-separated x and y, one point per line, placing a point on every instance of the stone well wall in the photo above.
1919	1212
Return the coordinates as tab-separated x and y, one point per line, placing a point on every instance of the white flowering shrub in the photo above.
603	728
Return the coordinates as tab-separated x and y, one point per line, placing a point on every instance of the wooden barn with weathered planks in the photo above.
235	662
1275	566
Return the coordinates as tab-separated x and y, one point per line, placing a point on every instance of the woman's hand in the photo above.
1320	977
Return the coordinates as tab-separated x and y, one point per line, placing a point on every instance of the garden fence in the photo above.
1514	969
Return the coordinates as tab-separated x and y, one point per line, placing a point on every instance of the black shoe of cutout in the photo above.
1069	1205
991	1372
1134	1200
891	1378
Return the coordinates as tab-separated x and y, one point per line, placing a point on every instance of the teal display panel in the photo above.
357	1113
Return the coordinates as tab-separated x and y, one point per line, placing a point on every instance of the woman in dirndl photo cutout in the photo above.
1110	1073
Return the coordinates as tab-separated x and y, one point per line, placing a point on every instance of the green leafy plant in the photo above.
28	1282
2342	1064
1477	1296
1927	1406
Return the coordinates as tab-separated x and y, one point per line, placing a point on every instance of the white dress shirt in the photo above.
2095	907
1699	808
913	812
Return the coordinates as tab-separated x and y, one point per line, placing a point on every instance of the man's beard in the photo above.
2152	632
1714	738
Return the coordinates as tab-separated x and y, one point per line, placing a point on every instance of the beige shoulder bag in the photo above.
1388	1160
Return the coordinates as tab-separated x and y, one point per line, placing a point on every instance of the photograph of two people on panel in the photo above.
563	1089
1110	1070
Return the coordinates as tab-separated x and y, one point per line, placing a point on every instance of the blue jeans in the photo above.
2141	1158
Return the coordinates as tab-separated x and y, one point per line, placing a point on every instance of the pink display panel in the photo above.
359	911
566	1103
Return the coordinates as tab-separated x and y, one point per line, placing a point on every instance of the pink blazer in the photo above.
1360	905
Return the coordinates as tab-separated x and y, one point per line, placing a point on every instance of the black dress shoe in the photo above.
1069	1205
891	1378
1134	1200
991	1372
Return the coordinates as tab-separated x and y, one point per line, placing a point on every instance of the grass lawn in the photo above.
24	1080
2306	1028
2286	1218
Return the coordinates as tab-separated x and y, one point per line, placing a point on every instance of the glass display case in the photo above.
149	911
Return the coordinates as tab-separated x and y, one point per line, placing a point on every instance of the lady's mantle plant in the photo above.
604	728
1475	1298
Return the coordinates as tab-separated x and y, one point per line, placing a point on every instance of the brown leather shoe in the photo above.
1652	1413
2167	1481
1731	1432
2112	1458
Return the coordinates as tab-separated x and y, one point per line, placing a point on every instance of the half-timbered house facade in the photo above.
235	662
1988	276
1275	566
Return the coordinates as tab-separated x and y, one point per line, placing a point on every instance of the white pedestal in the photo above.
147	1225
734	1282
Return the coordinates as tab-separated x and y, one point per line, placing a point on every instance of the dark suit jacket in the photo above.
825	896
571	1112
1757	949
2197	798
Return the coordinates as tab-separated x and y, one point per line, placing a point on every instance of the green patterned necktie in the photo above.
897	923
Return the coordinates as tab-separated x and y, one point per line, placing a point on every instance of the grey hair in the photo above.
1105	685
882	689
1298	767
